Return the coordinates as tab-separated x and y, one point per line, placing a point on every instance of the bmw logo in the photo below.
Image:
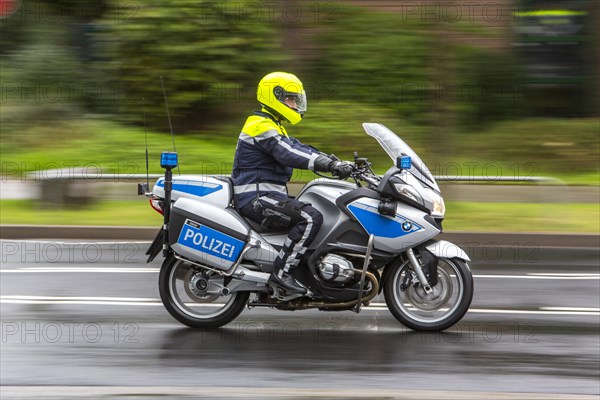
406	226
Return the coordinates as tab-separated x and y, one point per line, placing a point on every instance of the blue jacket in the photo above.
265	158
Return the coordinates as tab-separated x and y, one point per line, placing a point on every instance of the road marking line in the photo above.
128	270
570	309
81	270
101	303
131	303
134	301
538	312
582	277
67	302
70	298
562	274
202	392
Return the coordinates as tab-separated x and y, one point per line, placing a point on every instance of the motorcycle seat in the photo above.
254	225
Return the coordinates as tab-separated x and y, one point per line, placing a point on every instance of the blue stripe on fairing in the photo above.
196	190
379	225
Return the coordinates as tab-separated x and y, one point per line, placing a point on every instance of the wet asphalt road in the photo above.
87	315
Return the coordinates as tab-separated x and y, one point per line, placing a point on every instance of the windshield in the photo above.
396	147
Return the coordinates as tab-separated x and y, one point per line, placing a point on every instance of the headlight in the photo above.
439	208
408	192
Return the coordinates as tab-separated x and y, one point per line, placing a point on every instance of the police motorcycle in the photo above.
377	236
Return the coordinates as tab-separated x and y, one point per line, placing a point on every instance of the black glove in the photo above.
341	169
323	163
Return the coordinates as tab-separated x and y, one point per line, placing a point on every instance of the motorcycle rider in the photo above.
264	160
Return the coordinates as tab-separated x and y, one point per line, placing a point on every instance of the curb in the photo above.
74	232
129	233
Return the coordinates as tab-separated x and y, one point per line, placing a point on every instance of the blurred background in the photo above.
484	89
481	88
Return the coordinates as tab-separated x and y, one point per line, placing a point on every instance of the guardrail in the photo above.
71	186
37	175
501	179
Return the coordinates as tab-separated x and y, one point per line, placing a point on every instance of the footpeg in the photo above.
287	283
281	294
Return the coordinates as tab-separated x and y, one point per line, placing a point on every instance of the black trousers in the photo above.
304	222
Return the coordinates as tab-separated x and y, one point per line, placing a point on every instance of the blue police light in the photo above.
403	162
168	160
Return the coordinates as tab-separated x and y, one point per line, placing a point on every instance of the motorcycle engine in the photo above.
334	268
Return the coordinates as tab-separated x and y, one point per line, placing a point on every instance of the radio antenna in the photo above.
146	138
162	84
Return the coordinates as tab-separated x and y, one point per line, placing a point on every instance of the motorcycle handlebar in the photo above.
362	171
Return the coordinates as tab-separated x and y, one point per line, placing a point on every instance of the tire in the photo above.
171	283
440	310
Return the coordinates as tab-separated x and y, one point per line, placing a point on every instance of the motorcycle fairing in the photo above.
380	225
392	242
207	189
195	188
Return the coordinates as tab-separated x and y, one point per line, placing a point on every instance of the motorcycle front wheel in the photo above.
435	311
180	285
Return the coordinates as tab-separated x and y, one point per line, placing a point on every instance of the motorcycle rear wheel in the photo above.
195	311
444	307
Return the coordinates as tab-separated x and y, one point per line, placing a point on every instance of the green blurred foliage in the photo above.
209	56
112	147
46	21
546	147
461	216
409	66
488	90
554	145
336	127
45	79
77	79
377	58
37	88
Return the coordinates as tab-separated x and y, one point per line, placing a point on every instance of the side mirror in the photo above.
403	162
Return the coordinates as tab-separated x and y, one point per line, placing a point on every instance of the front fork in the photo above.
419	271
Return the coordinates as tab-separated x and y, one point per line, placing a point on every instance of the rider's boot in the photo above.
286	281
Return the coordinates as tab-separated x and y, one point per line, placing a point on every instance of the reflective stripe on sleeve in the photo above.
295	151
246	138
267	134
311	162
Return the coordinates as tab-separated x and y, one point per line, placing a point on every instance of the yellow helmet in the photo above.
283	94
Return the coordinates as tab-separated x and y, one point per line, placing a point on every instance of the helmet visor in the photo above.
295	101
301	103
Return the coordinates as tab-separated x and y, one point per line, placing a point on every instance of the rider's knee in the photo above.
315	216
